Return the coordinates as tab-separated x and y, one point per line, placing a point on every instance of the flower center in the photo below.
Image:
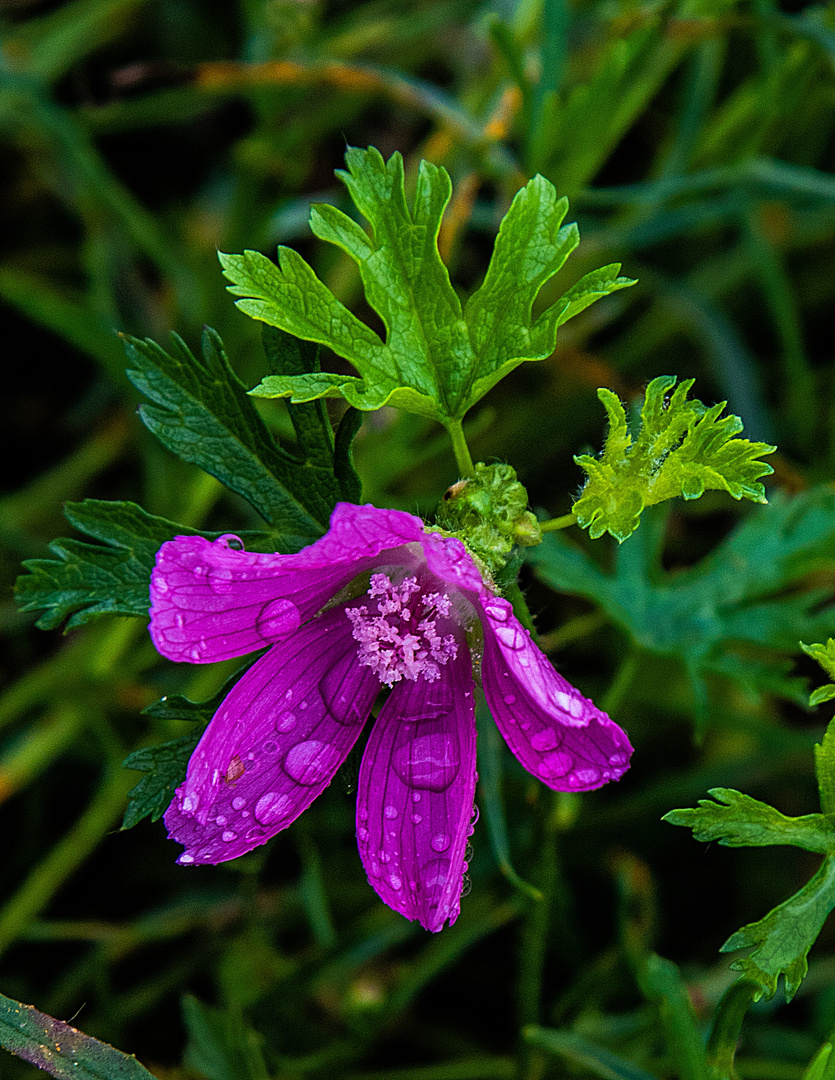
402	641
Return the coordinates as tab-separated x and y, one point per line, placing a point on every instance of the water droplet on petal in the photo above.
190	804
416	819
497	609
195	654
510	699
277	619
427	761
238	803
440	842
185	859
311	762
230	540
587	776
395	882
228	836
434	876
546	739
272	807
384	856
374	868
221	579
390	812
415	796
556	764
512	637
362	813
220	820
362	833
270	747
285	722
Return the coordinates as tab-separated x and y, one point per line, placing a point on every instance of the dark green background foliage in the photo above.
694	140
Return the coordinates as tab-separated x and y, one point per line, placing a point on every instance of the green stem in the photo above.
730	1013
463	457
554	524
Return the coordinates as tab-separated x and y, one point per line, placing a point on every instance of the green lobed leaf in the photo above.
319	446
166	767
782	940
736	598
825	656
202	413
87	581
681	449
60	1049
438	359
737	820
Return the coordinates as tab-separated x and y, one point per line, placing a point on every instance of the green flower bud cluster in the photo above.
489	512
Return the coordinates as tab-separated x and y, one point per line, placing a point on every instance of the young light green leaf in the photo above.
737	820
825	769
781	941
438	359
60	1049
203	414
682	448
87	581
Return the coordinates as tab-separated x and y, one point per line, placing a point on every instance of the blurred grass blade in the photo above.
62	1050
599	1061
490	779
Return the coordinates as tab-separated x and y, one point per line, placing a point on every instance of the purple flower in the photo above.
377	601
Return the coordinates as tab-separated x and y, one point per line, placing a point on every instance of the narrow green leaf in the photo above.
87	581
574	1048
682	449
60	1049
782	940
825	765
437	360
737	820
202	414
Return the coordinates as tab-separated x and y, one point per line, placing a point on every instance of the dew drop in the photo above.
220	820
415	796
362	833
362	813
587	776
395	882
434	876
238	803
270	747
185	859
311	762
512	637
272	807
195	654
302	705
427	761
440	842
546	739
179	620
416	819
556	764
510	699
221	579
374	868
190	804
228	836
390	812
277	619
384	856
285	722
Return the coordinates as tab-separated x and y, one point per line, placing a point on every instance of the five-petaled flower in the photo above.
377	601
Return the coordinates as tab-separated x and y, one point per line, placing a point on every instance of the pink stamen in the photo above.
403	640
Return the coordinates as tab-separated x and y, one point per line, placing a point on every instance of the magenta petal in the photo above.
447	558
211	602
416	790
559	736
274	744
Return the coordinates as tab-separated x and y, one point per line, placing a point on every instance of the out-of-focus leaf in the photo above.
574	1048
60	1049
221	1046
682	449
736	597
